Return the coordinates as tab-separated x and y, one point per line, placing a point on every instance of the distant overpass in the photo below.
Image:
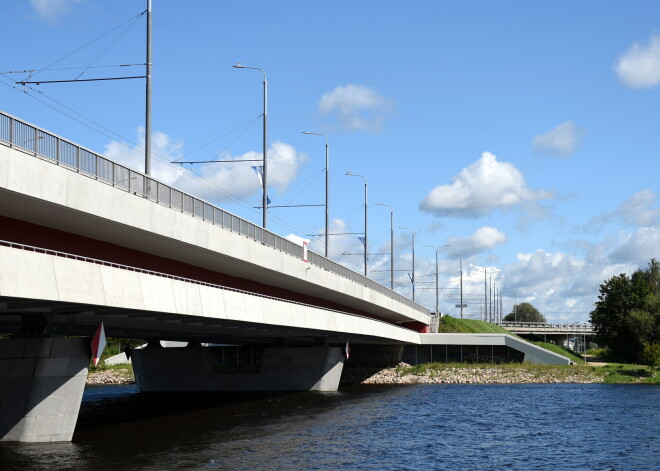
544	328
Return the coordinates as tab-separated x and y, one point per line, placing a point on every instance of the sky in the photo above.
517	140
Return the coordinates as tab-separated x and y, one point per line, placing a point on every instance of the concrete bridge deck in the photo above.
86	205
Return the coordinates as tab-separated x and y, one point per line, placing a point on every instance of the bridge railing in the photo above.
33	140
545	326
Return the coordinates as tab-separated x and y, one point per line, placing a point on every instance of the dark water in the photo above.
424	427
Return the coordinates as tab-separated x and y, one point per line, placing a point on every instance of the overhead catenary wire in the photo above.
109	46
133	18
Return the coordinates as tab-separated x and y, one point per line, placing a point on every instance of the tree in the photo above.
525	312
627	313
651	355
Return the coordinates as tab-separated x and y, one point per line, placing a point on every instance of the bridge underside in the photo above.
33	317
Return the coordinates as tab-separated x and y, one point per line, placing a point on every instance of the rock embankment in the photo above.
473	375
118	376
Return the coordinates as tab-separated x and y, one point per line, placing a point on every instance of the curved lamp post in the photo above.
412	278
437	294
327	180
351	174
264	175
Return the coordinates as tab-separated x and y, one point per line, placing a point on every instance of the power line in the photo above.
134	18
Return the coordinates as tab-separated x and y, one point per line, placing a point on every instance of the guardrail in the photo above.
43	144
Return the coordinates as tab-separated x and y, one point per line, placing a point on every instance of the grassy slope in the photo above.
469	326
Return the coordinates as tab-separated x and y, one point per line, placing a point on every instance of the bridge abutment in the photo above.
231	368
41	386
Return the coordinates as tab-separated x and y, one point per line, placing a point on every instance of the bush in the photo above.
651	355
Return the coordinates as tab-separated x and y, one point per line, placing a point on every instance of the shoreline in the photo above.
407	374
474	375
110	376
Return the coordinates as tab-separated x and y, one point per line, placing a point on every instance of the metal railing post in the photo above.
35	141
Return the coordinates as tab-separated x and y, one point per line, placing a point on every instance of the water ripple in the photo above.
423	427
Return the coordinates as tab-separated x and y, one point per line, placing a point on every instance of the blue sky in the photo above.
522	134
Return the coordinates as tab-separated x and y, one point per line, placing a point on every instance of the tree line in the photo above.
626	318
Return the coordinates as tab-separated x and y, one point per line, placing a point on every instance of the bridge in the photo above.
544	328
85	240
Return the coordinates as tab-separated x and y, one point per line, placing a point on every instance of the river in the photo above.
413	427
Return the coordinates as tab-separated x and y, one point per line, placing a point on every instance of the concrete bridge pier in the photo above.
238	368
41	386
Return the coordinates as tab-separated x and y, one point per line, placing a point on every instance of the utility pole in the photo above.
485	297
462	305
147	121
490	289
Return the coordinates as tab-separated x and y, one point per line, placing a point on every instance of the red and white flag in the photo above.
98	344
348	351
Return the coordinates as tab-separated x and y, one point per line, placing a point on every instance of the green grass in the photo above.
468	326
103	367
617	373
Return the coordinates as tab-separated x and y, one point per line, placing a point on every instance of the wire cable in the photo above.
88	43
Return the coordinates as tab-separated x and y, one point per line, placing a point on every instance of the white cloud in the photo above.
484	238
561	141
638	247
639	66
216	182
53	10
561	286
564	287
641	209
356	107
480	188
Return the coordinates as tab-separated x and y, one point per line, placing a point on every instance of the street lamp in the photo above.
264	172
327	179
351	174
437	294
391	243
412	278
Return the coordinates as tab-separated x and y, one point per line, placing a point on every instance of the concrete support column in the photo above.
315	368
41	387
